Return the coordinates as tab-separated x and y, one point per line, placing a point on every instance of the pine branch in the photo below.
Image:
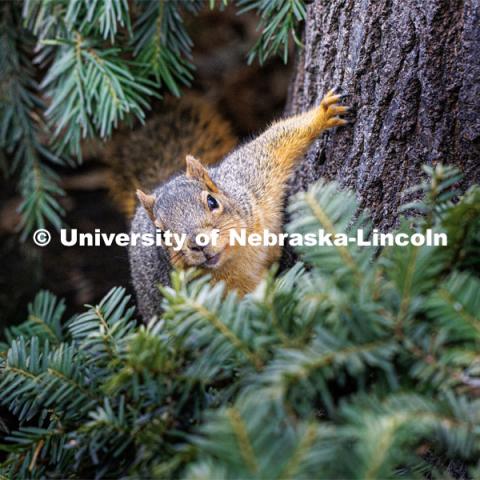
461	222
456	306
102	331
161	43
381	376
326	207
44	320
21	127
296	375
21	372
436	193
278	22
35	444
200	311
92	90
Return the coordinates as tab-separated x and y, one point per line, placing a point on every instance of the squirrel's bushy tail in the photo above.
148	155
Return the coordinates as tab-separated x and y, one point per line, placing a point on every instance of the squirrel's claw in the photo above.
334	110
329	112
336	122
329	100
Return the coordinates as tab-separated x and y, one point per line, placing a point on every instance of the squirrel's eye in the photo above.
211	202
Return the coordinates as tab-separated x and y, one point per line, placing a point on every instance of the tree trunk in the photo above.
410	70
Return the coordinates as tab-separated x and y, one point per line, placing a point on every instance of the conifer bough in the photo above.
356	363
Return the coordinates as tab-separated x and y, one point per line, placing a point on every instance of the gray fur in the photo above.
149	267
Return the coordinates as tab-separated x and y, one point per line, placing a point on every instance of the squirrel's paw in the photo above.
330	110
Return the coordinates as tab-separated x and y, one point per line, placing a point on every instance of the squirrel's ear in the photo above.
148	201
197	171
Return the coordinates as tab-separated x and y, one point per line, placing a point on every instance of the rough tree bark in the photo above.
411	71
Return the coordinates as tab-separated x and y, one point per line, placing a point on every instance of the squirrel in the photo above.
245	190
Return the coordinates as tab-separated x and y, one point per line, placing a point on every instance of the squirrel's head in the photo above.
192	204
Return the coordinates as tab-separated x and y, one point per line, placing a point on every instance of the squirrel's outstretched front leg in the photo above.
274	153
264	165
290	138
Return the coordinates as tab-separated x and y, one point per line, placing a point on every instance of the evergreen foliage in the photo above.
356	363
22	128
278	22
74	69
